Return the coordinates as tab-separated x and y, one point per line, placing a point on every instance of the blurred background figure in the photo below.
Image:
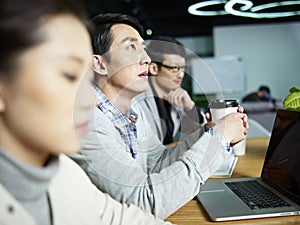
261	108
263	93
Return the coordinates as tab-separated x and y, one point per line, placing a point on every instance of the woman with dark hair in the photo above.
44	67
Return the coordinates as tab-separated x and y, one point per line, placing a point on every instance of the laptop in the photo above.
275	193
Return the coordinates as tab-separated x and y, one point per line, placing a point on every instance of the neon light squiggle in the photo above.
246	10
194	9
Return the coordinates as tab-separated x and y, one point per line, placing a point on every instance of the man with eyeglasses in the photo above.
171	111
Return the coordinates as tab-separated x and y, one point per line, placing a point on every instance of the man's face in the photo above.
169	76
128	67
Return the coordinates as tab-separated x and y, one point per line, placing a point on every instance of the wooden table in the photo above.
249	165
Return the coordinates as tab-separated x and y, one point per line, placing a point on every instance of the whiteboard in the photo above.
217	75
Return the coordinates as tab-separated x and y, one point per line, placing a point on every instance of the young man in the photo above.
120	154
263	93
170	109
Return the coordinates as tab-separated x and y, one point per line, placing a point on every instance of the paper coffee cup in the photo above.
240	148
221	108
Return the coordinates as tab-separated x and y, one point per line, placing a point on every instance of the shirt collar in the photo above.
112	112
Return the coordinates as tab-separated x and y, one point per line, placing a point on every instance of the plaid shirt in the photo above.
125	125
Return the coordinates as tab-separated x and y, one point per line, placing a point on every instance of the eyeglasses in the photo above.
174	69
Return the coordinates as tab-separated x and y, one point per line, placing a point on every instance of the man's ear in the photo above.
99	65
153	69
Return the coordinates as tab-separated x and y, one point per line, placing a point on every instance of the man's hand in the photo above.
179	97
233	127
208	115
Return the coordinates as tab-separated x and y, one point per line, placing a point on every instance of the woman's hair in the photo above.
102	36
20	21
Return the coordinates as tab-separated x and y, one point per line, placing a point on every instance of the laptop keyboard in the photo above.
255	195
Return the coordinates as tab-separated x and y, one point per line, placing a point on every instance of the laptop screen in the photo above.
282	163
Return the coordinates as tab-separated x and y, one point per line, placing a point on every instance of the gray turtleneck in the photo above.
29	185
